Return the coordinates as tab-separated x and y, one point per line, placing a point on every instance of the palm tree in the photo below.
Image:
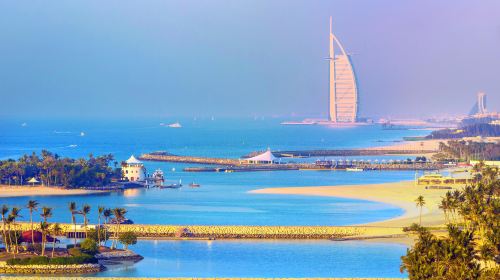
119	214
46	213
420	202
55	231
9	221
100	210
444	205
14	214
72	209
44	228
107	214
4	211
85	212
32	206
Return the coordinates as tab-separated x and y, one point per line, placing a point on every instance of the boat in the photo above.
194	185
82	134
175	125
172	186
354	169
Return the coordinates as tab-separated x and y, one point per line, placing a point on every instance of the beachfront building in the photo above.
133	170
343	90
440	180
266	157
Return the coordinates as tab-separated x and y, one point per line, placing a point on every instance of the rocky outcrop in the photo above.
124	255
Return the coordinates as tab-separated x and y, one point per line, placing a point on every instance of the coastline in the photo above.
400	194
418	148
18	191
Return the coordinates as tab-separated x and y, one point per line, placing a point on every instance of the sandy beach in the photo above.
400	194
15	191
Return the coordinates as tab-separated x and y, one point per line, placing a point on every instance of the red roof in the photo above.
26	237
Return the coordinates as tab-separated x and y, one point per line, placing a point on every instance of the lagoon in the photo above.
236	258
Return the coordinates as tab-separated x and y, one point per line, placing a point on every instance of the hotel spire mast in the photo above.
332	97
343	90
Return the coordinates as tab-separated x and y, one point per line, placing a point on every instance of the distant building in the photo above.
266	157
479	107
343	89
133	169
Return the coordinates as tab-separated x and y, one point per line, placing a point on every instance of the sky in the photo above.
98	59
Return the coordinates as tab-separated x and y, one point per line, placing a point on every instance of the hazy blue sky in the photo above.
243	58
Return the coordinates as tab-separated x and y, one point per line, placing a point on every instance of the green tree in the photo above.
420	202
46	213
100	210
44	229
89	246
56	230
128	238
32	206
85	212
119	214
74	211
5	211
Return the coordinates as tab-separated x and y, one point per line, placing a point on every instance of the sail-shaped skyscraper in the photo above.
343	87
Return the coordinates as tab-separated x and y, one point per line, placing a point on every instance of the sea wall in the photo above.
50	269
246	232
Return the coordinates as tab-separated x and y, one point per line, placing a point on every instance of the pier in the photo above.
235	165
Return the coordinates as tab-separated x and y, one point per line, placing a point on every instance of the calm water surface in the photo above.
223	197
263	259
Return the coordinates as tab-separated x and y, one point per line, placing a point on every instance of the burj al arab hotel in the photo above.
343	90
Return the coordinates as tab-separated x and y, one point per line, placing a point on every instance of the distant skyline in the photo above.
78	59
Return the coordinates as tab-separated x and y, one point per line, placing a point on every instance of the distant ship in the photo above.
172	125
175	125
82	134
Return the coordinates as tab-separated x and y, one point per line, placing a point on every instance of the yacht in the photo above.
354	169
175	125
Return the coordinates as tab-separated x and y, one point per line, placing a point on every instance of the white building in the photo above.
133	169
343	87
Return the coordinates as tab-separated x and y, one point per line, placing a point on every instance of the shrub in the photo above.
75	252
128	238
103	234
89	246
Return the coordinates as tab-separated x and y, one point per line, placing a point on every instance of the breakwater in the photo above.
245	232
161	156
350	152
50	268
312	166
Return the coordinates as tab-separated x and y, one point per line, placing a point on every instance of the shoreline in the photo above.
399	194
20	191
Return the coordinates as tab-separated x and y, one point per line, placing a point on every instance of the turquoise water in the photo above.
263	259
223	198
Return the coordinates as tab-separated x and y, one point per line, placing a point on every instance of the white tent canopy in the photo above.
33	181
266	157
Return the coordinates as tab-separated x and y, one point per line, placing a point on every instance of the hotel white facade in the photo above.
343	90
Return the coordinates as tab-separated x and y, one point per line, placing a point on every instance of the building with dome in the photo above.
133	169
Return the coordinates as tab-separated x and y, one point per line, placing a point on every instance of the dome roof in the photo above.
133	160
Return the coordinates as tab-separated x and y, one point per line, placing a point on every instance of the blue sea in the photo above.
223	198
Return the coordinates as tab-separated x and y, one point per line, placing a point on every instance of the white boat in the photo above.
82	134
175	125
355	169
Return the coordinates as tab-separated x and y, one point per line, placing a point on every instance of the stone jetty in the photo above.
50	268
247	232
